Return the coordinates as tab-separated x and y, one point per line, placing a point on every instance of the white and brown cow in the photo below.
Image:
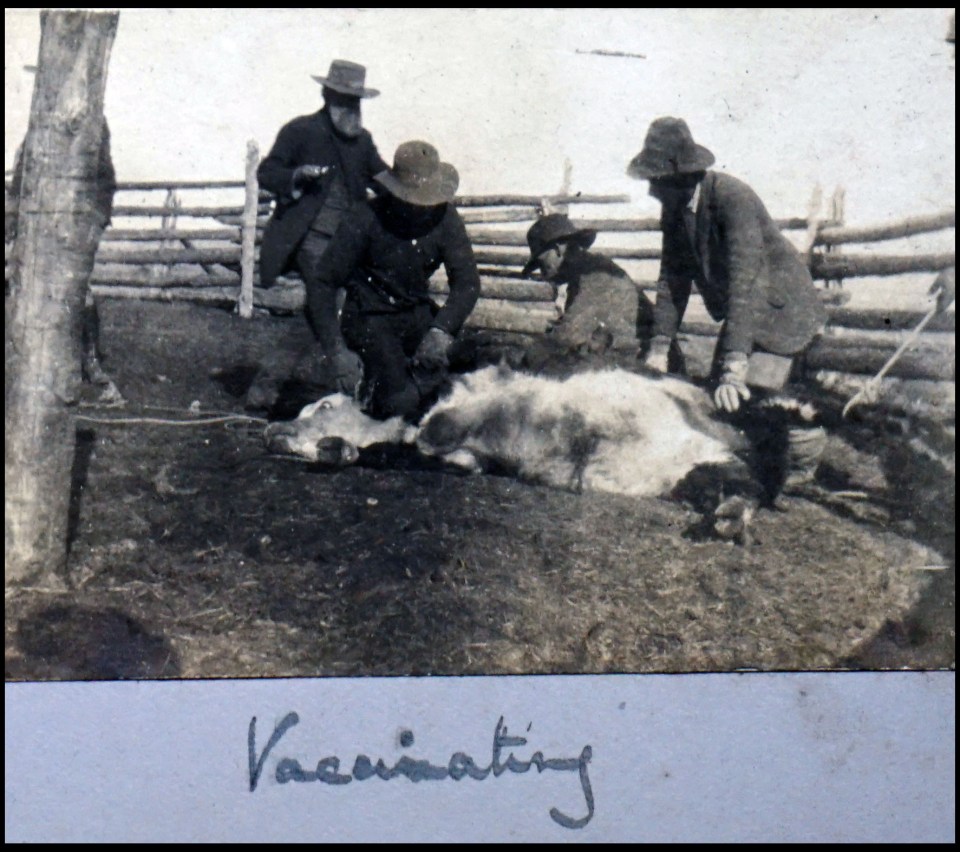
608	430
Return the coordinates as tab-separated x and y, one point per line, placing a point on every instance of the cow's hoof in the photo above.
336	452
261	396
464	460
731	519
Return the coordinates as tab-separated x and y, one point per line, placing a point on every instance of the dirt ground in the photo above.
195	553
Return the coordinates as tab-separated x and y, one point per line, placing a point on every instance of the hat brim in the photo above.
644	167
439	190
345	90
584	237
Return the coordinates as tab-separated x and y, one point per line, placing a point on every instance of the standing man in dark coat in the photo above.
319	166
718	234
384	253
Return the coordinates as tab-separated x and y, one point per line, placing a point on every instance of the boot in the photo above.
805	446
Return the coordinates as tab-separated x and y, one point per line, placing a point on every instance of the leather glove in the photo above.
433	351
944	288
341	368
656	359
733	383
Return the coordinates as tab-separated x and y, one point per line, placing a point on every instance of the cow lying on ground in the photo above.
609	430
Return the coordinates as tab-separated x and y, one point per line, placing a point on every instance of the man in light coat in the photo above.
718	235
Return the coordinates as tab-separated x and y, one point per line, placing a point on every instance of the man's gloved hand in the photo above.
347	370
733	383
434	350
339	367
657	357
945	289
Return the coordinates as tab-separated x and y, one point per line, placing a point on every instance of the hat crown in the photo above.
416	161
418	176
552	229
347	78
669	139
669	149
345	73
549	229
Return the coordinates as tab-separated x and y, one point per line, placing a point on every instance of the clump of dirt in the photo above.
196	553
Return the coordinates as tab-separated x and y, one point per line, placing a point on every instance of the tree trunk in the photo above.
60	221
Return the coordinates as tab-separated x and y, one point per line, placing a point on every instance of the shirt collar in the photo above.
695	198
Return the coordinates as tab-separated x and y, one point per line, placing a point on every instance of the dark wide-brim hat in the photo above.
547	231
418	177
669	150
347	78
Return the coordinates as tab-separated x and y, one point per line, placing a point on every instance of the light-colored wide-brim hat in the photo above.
347	78
419	177
669	150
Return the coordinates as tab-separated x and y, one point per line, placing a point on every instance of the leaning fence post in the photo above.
814	218
248	232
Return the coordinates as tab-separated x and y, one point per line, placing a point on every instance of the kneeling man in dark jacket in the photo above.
384	254
605	316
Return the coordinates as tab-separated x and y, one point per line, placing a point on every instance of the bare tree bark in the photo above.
60	221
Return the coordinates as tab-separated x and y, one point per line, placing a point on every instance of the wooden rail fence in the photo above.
207	253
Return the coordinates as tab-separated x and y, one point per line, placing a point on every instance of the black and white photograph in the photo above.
387	342
433	395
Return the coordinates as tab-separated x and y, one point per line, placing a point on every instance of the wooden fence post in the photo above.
248	232
837	212
814	218
58	227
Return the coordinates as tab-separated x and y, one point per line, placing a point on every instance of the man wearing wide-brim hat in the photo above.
604	315
320	165
718	234
384	254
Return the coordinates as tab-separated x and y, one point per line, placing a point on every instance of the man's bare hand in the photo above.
308	174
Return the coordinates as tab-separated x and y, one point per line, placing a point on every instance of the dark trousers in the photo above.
386	343
305	364
320	301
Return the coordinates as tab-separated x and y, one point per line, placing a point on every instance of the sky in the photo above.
786	99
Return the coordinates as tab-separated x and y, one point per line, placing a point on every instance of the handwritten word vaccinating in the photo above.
459	766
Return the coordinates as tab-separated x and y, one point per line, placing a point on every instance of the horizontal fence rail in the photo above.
173	257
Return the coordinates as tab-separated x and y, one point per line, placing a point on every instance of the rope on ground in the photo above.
163	421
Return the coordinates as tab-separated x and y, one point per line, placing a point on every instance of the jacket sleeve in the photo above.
743	237
275	173
375	164
457	256
335	270
673	288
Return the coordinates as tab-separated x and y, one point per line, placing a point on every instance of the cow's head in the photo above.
330	431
